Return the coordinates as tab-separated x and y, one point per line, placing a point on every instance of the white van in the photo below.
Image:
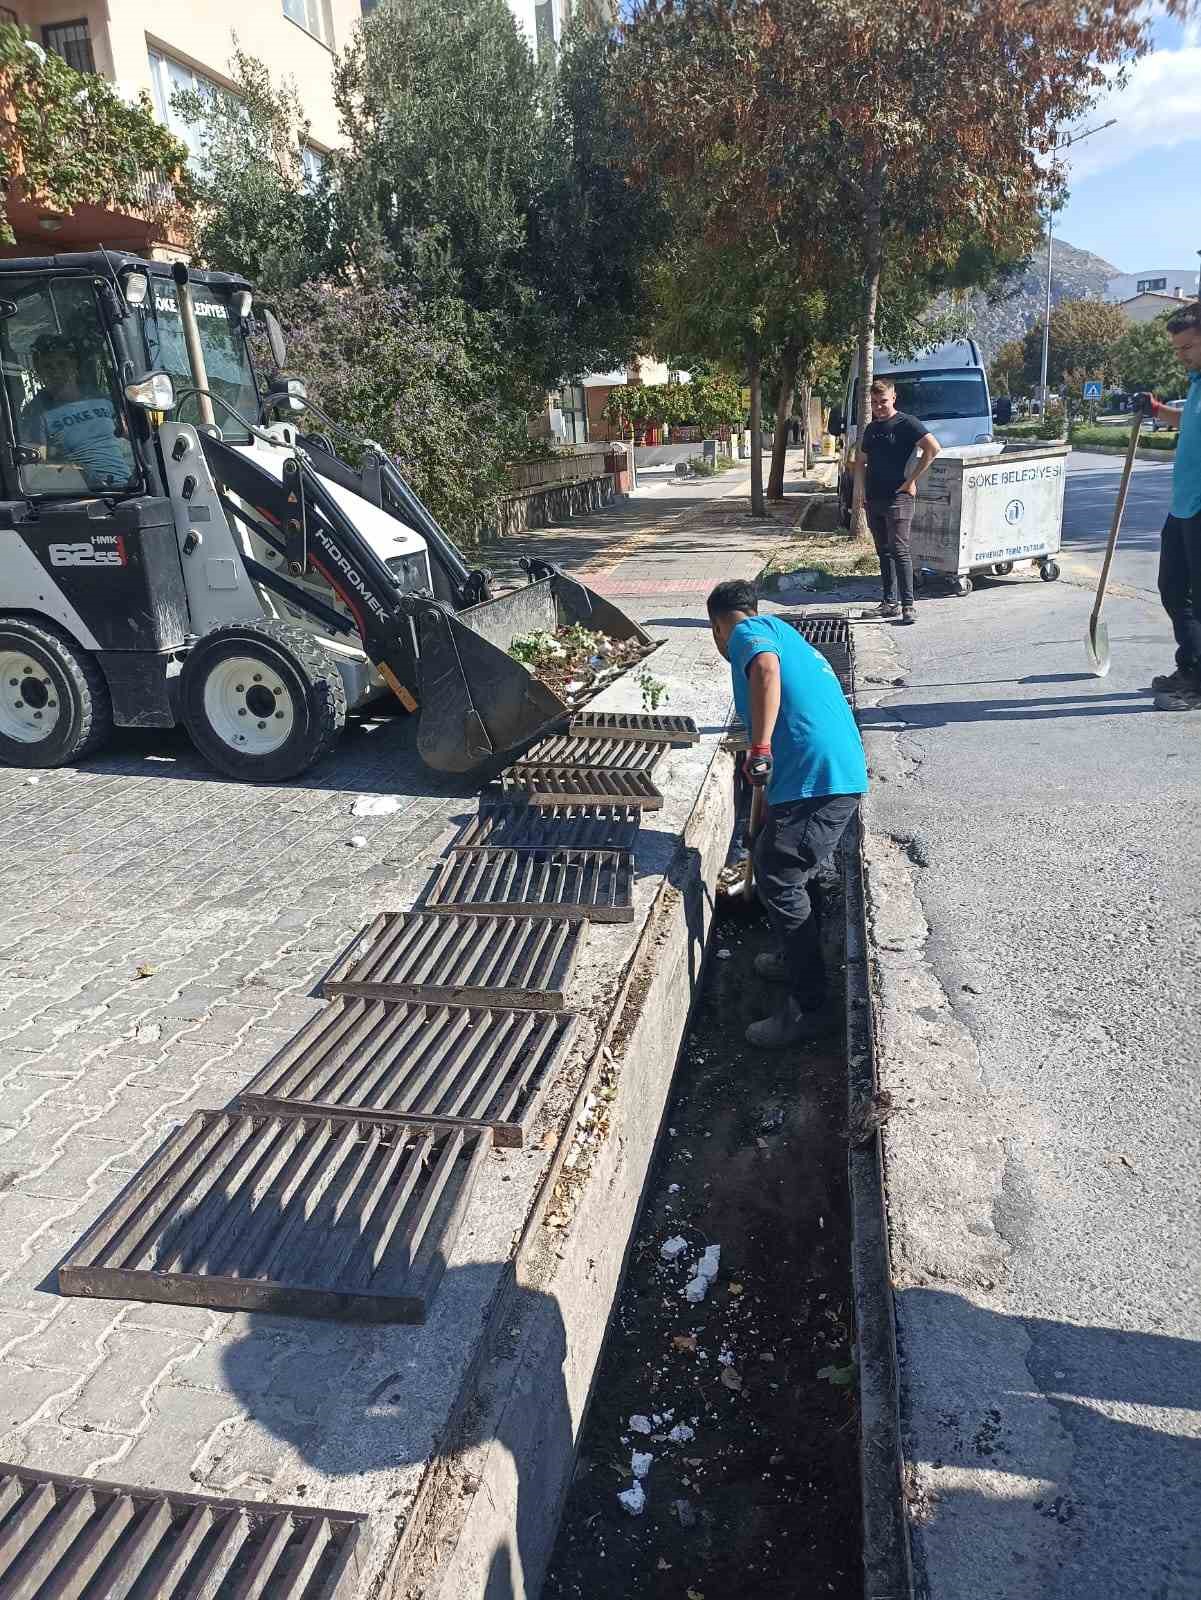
946	388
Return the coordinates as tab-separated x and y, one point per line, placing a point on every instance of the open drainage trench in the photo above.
720	1453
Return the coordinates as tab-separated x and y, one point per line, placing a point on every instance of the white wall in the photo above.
1182	280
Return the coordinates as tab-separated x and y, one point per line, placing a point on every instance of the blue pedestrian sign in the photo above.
1092	389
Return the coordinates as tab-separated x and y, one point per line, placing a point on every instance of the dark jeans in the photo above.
1180	587
890	521
795	842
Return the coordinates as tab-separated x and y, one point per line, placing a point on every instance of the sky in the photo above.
1134	197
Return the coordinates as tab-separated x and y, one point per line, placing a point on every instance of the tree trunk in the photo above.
873	252
806	410
788	365
754	378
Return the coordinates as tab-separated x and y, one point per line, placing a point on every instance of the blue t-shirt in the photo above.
1186	474
815	747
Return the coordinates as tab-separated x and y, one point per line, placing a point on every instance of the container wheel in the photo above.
261	700
54	702
1002	569
963	586
1049	571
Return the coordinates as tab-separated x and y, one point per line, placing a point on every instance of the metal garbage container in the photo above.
982	509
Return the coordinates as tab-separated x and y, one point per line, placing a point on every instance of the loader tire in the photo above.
262	701
54	703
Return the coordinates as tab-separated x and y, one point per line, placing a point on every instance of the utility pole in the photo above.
1062	144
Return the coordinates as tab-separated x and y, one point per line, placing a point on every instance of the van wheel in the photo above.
261	700
54	703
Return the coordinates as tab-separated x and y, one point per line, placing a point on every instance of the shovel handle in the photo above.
752	834
1118	510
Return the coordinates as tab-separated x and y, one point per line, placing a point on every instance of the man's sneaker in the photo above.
1186	699
888	608
1171	682
909	614
790	1026
772	966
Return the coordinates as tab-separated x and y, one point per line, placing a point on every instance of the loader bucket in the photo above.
478	705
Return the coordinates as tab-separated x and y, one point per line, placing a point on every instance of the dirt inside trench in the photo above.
756	1494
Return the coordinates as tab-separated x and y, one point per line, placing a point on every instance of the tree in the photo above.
258	214
1144	358
1007	373
1084	339
68	139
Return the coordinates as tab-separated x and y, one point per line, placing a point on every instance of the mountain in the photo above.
1075	275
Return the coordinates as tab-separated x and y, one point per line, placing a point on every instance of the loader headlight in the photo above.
289	394
242	302
137	286
154	391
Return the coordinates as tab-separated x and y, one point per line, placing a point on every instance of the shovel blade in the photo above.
1096	646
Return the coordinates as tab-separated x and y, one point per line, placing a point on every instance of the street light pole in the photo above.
1063	144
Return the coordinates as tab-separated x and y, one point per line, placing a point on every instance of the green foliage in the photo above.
1144	359
708	402
419	378
1083	435
257	213
653	690
1084	340
69	139
1007	374
1049	428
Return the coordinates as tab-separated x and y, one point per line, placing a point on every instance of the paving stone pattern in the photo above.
162	931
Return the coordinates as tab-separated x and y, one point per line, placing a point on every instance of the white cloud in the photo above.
1159	108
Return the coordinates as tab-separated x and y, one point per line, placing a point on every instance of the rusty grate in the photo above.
581	786
648	726
526	827
585	885
507	961
485	1067
826	628
321	1216
66	1538
592	751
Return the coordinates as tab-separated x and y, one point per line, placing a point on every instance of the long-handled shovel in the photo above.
1096	643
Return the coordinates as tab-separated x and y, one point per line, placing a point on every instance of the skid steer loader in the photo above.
234	573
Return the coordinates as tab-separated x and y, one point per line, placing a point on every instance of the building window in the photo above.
314	163
573	404
73	42
1151	285
314	17
169	78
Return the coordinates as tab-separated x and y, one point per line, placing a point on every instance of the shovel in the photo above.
738	883
1096	643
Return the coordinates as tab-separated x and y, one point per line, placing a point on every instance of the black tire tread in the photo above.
316	668
96	706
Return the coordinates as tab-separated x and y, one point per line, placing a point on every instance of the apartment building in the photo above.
161	48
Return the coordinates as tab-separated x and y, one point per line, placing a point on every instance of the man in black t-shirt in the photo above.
888	444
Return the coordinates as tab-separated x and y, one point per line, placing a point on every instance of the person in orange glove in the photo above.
806	752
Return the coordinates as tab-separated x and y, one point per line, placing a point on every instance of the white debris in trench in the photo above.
696	1289
681	1433
710	1262
671	1248
633	1499
640	1424
640	1464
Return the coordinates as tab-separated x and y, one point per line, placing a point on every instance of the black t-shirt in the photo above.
888	446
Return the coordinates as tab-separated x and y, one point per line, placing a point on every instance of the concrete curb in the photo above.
488	1513
887	1561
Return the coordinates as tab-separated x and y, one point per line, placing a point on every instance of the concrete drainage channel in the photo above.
339	1183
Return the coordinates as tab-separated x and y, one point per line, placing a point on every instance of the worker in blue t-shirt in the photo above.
1180	547
806	751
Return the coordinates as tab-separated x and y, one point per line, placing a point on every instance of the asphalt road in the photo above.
1088	509
1051	1339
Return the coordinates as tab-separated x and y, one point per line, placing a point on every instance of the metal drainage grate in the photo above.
321	1216
581	786
647	726
584	885
592	750
509	961
827	628
484	1067
64	1538
518	827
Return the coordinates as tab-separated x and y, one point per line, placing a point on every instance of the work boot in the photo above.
888	608
789	1026
1171	682
909	614
1186	698
772	966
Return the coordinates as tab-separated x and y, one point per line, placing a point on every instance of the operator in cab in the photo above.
68	423
805	751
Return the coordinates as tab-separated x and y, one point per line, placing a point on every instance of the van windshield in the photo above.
938	396
230	374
